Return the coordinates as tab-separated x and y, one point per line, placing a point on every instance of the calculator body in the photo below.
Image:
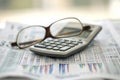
64	47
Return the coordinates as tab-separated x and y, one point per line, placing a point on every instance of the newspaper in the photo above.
100	60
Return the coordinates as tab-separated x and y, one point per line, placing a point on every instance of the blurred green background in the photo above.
24	4
17	10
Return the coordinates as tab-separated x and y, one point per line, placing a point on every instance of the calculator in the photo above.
64	47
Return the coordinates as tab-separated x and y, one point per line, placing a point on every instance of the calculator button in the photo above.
53	45
75	42
47	44
56	40
55	48
57	43
62	41
51	42
64	44
64	48
68	42
59	46
42	43
49	47
71	45
41	46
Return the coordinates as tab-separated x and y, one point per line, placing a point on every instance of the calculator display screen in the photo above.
85	33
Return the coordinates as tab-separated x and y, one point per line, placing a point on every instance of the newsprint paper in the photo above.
100	60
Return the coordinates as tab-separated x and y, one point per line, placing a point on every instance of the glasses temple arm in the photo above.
86	27
23	43
13	44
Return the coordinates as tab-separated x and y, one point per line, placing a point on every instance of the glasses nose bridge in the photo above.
48	32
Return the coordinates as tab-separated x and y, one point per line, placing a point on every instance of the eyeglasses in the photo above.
33	34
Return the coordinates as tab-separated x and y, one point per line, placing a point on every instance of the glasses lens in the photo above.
30	35
66	27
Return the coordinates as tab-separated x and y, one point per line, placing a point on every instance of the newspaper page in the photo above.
100	60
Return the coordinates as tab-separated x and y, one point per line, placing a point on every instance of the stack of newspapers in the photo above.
99	61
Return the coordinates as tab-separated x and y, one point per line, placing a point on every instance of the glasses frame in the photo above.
48	33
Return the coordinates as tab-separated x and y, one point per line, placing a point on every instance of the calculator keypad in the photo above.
57	44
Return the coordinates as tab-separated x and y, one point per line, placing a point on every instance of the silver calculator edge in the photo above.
96	29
